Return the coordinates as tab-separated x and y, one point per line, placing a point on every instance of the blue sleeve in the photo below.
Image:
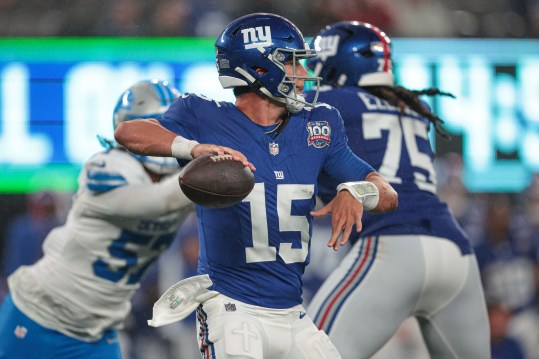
342	164
345	166
181	118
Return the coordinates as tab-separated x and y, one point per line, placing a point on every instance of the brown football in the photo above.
216	181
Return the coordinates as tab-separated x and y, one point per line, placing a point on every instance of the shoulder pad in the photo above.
318	105
322	104
111	169
195	96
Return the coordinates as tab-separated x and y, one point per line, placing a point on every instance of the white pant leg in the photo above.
452	310
365	299
231	329
407	342
309	342
385	280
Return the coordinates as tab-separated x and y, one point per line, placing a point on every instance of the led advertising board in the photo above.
57	95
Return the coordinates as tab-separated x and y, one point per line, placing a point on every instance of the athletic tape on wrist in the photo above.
365	192
182	147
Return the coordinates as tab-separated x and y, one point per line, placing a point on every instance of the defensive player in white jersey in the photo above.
415	261
125	213
253	254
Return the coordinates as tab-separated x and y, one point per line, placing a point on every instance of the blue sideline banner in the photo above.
58	94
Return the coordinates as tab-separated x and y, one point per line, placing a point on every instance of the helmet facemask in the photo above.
294	101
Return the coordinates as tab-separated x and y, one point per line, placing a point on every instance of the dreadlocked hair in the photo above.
402	98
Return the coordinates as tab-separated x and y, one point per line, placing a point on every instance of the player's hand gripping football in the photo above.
346	211
208	149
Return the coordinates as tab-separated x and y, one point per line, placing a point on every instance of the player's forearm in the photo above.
140	201
388	198
145	137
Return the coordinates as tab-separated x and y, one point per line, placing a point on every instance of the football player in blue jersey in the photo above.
415	261
247	293
125	213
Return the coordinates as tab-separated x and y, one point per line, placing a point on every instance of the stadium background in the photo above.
64	64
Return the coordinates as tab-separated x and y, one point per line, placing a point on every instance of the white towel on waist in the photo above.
181	299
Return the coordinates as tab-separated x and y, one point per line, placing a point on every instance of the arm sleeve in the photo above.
139	200
181	118
342	164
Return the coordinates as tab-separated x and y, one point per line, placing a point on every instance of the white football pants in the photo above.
384	280
228	328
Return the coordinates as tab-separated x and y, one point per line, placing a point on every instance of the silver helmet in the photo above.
147	99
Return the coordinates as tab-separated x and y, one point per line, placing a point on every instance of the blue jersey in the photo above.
398	146
256	251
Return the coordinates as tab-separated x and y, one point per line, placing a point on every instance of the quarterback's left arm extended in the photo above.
388	199
375	193
347	208
361	187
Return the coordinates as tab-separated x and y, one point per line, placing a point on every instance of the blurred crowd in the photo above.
504	229
399	18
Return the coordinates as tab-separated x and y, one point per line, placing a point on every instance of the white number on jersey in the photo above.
130	256
374	123
261	251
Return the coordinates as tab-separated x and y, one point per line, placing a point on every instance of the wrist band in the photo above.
365	192
181	148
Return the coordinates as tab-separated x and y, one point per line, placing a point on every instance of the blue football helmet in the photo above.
147	99
265	41
352	53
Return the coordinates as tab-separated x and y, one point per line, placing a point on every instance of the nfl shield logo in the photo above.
274	148
230	307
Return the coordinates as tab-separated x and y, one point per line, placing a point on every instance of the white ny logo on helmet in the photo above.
254	37
327	46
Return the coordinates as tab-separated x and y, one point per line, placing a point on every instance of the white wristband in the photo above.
181	148
365	192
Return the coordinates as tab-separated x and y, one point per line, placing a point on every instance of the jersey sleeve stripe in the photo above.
104	181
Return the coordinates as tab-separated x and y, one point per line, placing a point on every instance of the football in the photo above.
216	181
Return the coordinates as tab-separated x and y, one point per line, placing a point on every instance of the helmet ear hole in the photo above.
366	53
259	70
